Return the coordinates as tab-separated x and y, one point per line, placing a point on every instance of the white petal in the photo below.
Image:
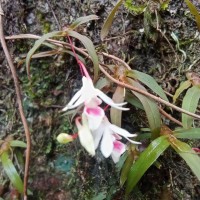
94	102
85	136
78	103
94	116
87	83
97	134
121	131
109	101
86	140
115	156
131	141
73	100
107	144
88	90
118	150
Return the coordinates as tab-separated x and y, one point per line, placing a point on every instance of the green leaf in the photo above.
143	136
17	143
137	9
152	112
183	86
165	4
100	196
116	114
11	172
126	168
148	81
108	22
190	103
102	82
37	44
90	48
191	157
82	20
151	109
145	160
194	12
192	133
133	100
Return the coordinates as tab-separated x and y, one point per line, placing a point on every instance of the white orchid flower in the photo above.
109	134
88	93
85	135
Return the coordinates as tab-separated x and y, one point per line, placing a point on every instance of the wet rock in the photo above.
30	18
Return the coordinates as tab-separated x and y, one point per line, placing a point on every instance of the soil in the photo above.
64	172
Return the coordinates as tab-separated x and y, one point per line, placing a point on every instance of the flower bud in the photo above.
64	138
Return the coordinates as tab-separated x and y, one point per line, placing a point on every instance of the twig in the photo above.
116	58
170	117
19	101
158	99
116	37
55	42
62	44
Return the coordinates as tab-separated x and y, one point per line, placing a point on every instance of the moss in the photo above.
46	27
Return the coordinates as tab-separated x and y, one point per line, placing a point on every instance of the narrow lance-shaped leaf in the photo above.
82	20
17	143
116	114
133	100
102	82
192	133
145	160
191	158
108	22
148	81
143	136
183	86
151	110
90	48
11	172
190	103
194	11
127	166
125	170
37	44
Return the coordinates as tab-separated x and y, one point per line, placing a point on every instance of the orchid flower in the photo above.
94	113
109	134
88	93
85	135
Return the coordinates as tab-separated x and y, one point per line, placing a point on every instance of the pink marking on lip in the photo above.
94	111
118	146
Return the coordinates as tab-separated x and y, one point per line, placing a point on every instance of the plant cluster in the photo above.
95	128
